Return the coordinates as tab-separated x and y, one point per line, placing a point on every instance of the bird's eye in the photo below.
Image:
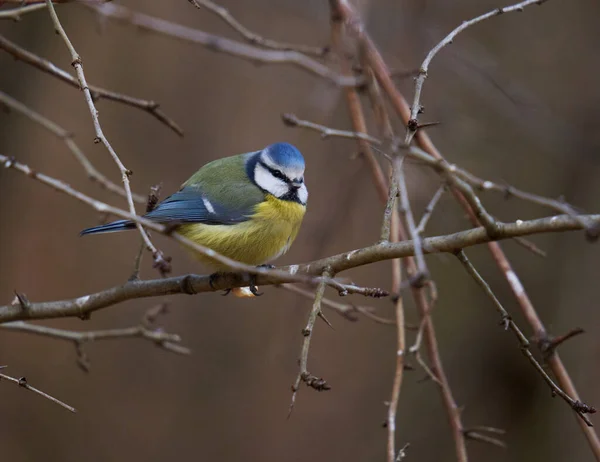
278	174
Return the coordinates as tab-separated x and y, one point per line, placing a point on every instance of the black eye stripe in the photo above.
276	173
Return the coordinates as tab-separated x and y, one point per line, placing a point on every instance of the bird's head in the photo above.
279	170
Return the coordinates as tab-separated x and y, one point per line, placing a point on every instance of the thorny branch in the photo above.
416	108
22	382
579	407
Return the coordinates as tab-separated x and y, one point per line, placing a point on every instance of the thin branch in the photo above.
97	93
309	379
405	209
479	434
22	382
161	262
222	44
429	209
162	339
527	244
15	13
291	120
416	108
347	311
253	37
397	383
440	165
579	407
67	138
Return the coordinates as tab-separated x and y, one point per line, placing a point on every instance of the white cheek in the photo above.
268	182
303	194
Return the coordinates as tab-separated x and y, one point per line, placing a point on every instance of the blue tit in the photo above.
247	207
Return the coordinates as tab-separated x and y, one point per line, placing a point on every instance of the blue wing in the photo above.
189	205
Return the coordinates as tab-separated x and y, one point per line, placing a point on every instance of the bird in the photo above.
248	207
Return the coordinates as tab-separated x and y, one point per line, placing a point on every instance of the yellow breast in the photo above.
267	235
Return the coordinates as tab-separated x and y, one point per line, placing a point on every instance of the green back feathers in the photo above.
227	180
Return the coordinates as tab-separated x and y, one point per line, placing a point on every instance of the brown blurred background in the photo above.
517	97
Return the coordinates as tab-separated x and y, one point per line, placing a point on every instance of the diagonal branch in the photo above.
160	261
97	93
253	37
67	138
222	44
22	382
579	407
15	13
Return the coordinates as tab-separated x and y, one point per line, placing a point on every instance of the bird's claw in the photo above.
211	282
254	290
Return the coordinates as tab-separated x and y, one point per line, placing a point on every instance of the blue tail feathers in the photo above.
113	227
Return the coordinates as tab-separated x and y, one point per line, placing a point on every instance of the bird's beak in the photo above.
296	185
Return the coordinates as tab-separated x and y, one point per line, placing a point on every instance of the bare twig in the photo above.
413	122
160	261
222	44
97	93
347	311
479	434
162	339
309	379
579	407
429	209
406	211
441	166
253	37
91	171
397	383
15	13
291	120
22	382
527	244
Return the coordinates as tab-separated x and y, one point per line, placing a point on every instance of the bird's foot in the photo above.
213	278
253	288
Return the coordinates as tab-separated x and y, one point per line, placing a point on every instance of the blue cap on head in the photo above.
286	155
